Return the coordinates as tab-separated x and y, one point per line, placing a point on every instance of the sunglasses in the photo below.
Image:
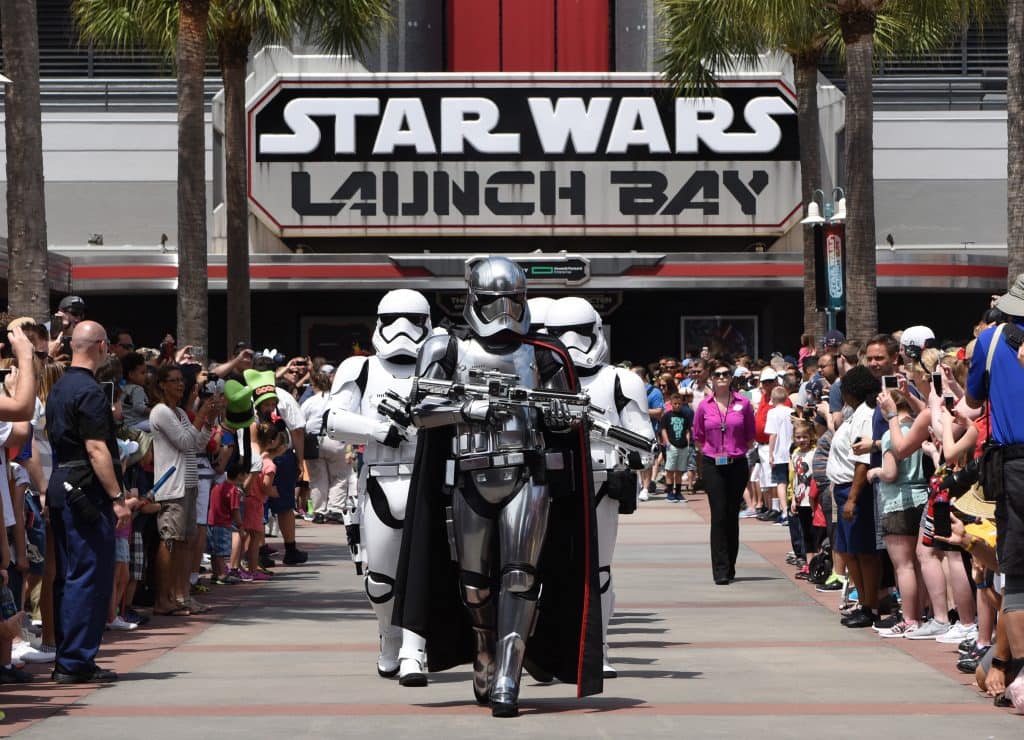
723	374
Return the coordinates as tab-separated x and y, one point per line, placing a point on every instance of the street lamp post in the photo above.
829	224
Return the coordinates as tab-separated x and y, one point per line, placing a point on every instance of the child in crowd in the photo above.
272	441
122	557
135	402
225	518
676	425
779	428
806	503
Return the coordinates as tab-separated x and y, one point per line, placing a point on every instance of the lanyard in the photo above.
722	421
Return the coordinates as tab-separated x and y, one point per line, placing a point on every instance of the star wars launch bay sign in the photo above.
449	154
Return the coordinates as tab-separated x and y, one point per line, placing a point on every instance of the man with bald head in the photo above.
86	500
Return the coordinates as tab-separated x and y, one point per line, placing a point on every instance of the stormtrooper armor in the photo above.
403	325
497	468
538	312
622	395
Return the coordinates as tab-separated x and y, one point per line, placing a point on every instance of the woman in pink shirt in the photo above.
723	432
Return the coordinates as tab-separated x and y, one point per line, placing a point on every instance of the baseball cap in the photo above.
833	338
768	374
72	304
740	372
327	369
917	336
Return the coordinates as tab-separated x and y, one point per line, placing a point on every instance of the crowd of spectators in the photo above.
870	453
135	480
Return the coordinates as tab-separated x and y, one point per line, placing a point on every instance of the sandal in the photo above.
196	608
200	588
180	611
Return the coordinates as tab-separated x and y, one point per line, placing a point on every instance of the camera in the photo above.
960	481
890	382
212	387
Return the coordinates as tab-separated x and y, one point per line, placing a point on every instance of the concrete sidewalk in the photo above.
296	658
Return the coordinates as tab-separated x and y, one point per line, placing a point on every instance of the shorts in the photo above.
203	501
122	553
905	523
284	481
1010	519
780	474
218	542
762	471
677	458
176	521
855	537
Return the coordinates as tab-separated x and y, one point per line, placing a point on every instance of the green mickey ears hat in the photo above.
239	413
263	384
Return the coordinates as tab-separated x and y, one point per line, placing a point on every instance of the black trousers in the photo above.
725	485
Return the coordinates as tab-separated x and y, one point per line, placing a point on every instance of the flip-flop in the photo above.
181	611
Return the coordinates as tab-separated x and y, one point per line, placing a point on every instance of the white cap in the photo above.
740	372
327	369
916	336
768	374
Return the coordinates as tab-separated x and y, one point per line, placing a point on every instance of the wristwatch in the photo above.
119	498
891	416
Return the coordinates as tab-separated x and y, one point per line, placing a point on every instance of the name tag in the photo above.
721	460
738	407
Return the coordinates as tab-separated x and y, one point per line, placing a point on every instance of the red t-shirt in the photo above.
224	499
761	418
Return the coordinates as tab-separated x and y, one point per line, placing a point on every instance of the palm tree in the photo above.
714	34
332	25
702	35
28	287
338	26
1015	139
193	279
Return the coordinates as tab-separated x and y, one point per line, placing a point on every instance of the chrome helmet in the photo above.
403	324
497	298
539	308
575	322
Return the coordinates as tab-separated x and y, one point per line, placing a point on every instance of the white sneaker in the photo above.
23	652
748	513
643	496
958	633
121	626
903	629
929	630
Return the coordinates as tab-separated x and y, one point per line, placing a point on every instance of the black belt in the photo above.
74	464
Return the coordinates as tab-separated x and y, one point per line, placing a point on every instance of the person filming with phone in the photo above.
996	377
85	498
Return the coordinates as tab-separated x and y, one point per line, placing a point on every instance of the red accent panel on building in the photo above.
474	43
583	35
528	36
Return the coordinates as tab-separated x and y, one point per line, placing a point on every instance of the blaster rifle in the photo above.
603	429
502	391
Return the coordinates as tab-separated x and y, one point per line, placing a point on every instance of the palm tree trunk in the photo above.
806	67
861	278
1015	139
28	292
193	307
234	51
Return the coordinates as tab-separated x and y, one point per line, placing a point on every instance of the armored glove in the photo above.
557	416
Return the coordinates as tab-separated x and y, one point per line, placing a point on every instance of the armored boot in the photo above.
518	606
379	589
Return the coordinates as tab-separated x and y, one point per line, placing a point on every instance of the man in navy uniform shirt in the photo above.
85	496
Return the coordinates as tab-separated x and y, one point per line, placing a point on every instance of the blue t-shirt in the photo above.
676	424
1007	401
655	400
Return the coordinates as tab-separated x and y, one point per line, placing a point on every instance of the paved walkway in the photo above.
295	658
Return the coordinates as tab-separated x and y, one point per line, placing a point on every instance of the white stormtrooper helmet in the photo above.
575	322
539	307
497	298
403	324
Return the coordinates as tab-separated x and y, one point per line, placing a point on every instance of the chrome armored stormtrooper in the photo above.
403	325
498	466
621	394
